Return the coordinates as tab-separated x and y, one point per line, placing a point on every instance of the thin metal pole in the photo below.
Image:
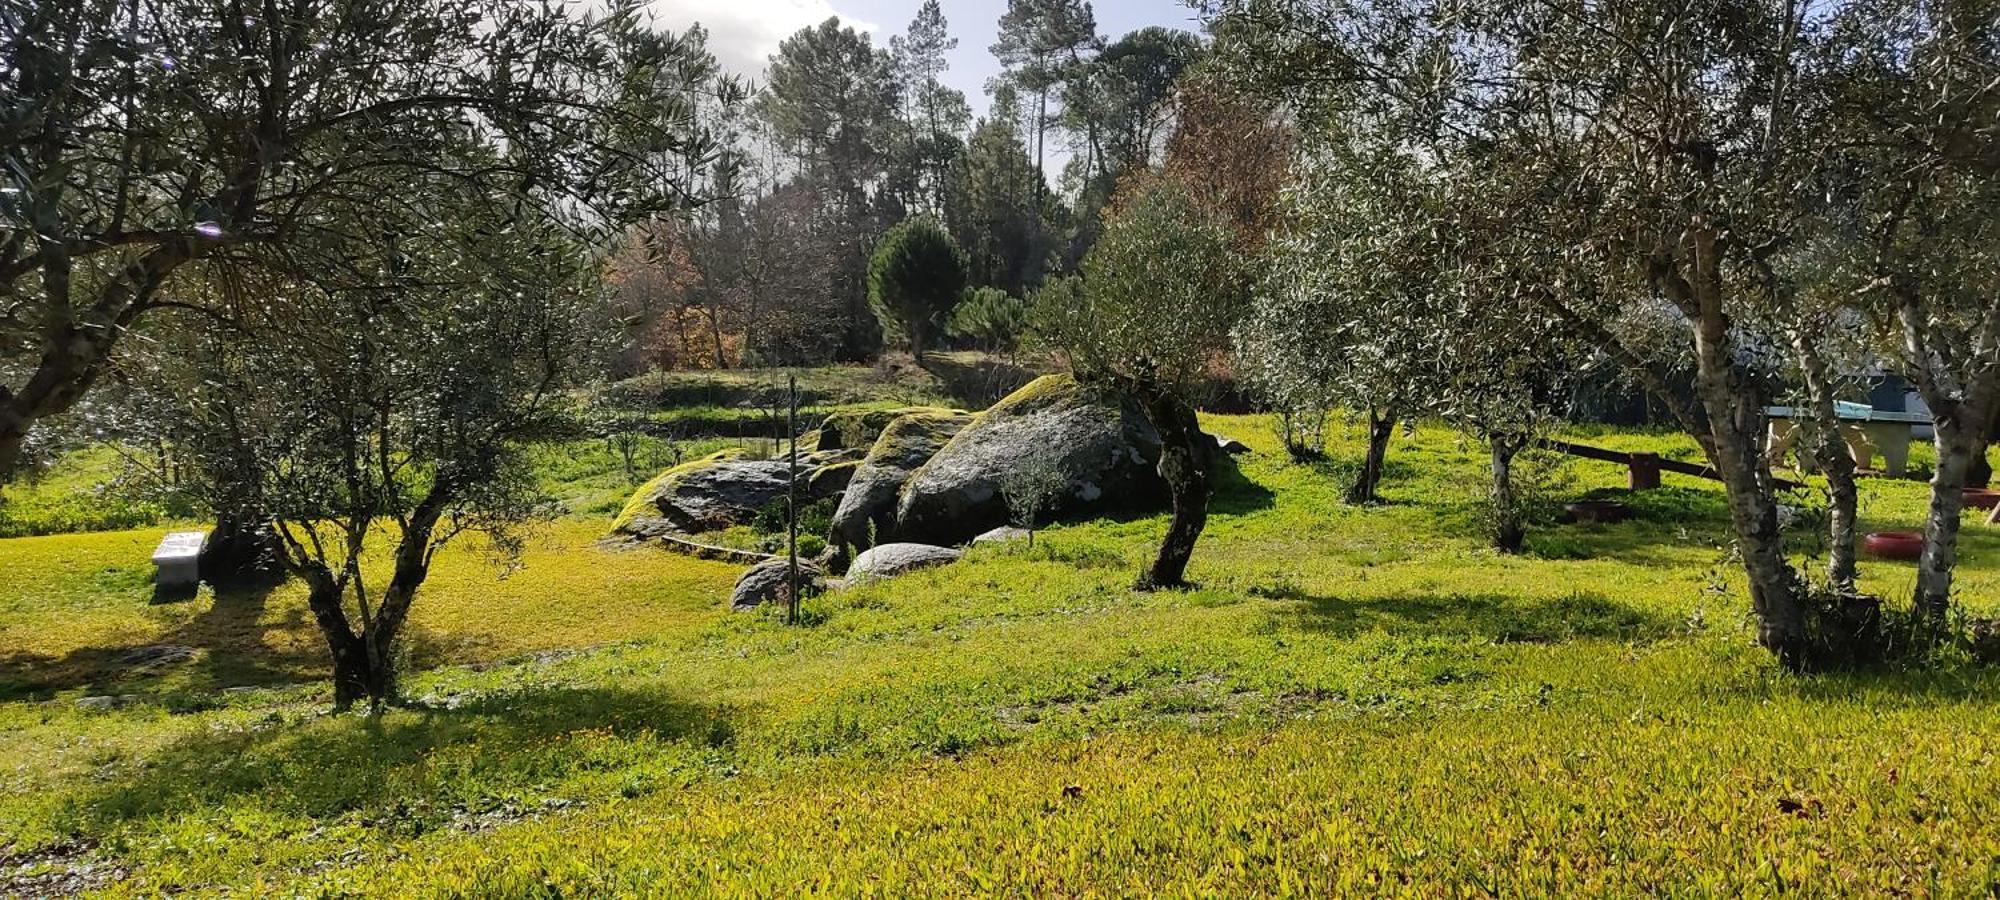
792	498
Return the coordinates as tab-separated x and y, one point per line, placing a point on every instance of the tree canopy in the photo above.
914	279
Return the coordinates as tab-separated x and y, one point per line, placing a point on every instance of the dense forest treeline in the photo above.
846	138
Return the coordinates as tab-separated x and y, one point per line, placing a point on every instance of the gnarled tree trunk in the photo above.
241	548
1957	447
77	339
1835	462
1381	427
1964	399
364	665
1733	411
1186	458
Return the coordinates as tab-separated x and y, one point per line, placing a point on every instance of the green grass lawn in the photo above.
1353	702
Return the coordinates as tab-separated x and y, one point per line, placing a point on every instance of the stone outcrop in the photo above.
1101	442
859	429
770	582
867	509
722	490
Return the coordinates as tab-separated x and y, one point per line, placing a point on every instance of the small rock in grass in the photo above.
106	701
894	559
1001	535
768	582
155	655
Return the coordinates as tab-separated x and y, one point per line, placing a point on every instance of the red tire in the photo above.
1981	498
1894	544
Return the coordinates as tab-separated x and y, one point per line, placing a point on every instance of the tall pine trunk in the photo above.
1186	458
1381	427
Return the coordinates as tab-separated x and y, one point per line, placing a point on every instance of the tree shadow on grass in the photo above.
228	643
410	768
1495	617
1889	688
1341	471
1235	494
1669	526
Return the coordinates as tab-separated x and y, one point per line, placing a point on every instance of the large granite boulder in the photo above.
885	560
770	581
870	498
722	490
1099	440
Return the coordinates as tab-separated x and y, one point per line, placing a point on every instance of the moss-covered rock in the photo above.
906	443
830	480
642	503
1100	441
723	489
859	428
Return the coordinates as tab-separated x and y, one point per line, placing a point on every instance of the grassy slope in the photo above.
80	492
1356	700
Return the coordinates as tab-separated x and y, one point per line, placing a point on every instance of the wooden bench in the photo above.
1643	469
177	561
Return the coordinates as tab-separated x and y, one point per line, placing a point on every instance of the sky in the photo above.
743	33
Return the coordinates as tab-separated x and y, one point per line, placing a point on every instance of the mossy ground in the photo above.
1354	701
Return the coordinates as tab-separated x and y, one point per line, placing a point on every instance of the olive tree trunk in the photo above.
1957	447
77	339
1508	532
1735	427
1186	458
364	663
1964	398
1835	461
1381	427
241	548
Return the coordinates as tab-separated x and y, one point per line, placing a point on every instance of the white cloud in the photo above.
744	33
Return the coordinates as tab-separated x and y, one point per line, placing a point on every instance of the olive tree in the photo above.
1647	155
1344	312
382	395
1914	187
1376	289
1033	487
1506	370
139	136
915	278
1150	312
